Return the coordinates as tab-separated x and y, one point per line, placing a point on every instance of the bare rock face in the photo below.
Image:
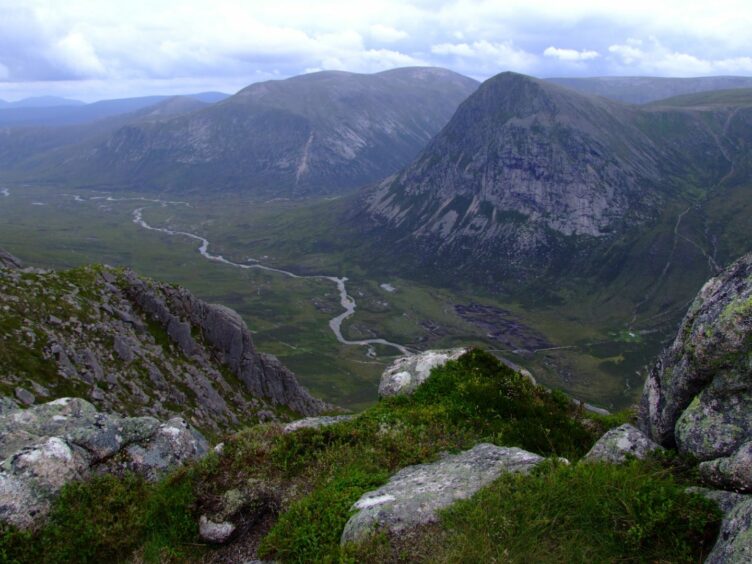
698	396
734	543
228	337
406	373
47	446
138	347
617	445
416	494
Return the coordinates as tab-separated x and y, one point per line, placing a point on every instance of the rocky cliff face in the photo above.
698	396
317	133
136	347
528	174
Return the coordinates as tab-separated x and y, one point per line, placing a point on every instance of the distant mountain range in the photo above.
317	133
645	89
52	111
41	102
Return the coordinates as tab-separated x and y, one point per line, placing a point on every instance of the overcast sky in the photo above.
115	48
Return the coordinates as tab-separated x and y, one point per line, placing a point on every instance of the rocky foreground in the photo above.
138	347
463	459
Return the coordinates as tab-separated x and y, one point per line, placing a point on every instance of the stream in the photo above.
345	300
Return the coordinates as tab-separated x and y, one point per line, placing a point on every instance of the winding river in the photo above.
345	300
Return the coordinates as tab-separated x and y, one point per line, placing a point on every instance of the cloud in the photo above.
387	34
75	53
653	57
161	42
485	54
570	54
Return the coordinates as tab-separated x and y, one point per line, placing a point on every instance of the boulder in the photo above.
315	422
415	494
46	446
734	544
406	373
698	396
618	444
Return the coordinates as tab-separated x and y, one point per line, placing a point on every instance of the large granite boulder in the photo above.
415	494
698	396
406	373
44	447
621	443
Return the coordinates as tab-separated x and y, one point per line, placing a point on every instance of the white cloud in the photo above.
653	57
500	55
142	42
387	34
77	55
570	55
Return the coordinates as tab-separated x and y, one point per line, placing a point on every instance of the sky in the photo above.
92	50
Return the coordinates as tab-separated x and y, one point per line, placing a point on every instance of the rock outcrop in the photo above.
415	494
137	347
734	544
698	396
618	444
406	373
46	446
227	336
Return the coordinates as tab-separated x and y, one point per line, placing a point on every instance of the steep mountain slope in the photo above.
323	132
529	178
644	89
137	347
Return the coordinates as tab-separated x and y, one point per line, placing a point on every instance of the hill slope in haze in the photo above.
318	133
645	89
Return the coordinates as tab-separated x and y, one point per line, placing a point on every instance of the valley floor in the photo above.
593	355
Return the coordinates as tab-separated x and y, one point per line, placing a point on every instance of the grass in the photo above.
636	512
106	519
308	480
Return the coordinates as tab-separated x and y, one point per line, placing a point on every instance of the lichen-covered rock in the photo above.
617	445
415	494
172	444
315	422
698	396
734	544
406	373
44	447
733	472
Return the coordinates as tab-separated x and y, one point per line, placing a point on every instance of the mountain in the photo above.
530	179
22	148
645	89
80	113
321	132
41	102
137	347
